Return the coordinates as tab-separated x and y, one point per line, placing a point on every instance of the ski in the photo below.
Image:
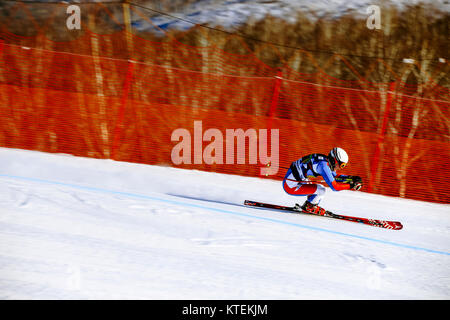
392	225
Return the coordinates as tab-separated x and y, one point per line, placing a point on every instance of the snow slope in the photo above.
232	13
78	228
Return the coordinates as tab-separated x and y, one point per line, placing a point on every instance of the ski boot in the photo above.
310	208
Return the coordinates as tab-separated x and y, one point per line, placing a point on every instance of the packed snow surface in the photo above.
78	228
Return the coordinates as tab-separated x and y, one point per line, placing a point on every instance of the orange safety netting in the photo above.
397	136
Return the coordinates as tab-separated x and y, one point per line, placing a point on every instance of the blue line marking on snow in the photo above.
135	195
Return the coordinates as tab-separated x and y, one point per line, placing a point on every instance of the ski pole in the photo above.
306	182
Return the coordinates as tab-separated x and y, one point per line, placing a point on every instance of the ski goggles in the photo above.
342	165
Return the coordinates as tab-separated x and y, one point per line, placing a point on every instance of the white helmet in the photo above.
338	156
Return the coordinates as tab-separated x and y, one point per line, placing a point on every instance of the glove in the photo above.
355	182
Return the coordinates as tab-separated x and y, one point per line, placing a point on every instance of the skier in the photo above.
296	181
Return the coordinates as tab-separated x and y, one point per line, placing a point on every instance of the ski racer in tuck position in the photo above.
297	183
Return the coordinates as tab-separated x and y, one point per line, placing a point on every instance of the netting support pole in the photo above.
274	102
2	42
121	113
128	33
381	135
272	110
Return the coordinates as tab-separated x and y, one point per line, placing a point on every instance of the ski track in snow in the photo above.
74	228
